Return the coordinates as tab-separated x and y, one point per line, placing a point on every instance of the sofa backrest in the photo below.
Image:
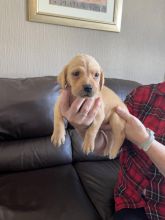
26	107
26	122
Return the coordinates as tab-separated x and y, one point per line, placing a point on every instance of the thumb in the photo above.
123	113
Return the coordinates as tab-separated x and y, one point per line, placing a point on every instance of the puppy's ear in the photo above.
62	78
101	80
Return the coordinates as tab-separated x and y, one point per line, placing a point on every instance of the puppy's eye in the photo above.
77	73
96	75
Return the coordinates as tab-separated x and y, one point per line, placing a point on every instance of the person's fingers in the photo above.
87	105
123	113
92	113
77	104
88	113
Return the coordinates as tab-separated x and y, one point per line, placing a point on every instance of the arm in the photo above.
137	134
157	154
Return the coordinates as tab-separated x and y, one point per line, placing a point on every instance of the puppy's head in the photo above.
84	75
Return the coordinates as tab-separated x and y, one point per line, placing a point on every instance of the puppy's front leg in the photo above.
58	136
91	133
118	134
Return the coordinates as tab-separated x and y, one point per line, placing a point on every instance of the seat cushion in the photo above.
34	153
99	179
52	193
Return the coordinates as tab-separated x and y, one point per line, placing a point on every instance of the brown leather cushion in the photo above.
26	107
46	194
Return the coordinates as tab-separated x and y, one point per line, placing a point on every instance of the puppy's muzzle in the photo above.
88	90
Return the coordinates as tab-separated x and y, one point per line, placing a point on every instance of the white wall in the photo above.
30	49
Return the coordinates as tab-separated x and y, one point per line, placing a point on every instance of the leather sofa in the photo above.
37	180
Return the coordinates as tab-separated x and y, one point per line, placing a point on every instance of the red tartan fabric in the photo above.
140	184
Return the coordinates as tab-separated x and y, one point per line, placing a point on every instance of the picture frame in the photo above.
103	15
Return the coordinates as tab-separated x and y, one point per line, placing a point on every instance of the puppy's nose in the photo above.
87	88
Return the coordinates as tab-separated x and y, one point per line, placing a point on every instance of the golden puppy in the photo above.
85	78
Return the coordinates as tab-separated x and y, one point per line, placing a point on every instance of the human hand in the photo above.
81	113
135	131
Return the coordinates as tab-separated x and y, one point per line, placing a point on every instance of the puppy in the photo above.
85	78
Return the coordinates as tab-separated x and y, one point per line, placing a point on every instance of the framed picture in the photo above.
94	14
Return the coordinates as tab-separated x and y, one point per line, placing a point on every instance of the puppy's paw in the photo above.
88	146
113	153
58	138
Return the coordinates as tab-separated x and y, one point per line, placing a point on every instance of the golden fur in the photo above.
84	70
